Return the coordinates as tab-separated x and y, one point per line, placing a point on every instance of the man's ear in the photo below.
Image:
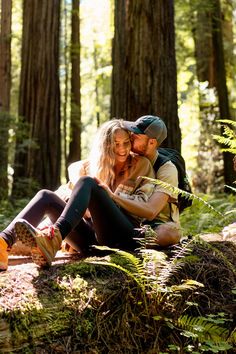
153	142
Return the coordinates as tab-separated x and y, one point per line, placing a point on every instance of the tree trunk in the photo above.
208	178
39	98
5	85
118	99
221	84
75	135
65	97
146	72
211	68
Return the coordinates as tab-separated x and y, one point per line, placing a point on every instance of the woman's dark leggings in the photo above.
110	226
47	203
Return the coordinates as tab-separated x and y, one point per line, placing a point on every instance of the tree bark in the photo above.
221	85
75	134
119	92
39	98
5	88
144	50
209	53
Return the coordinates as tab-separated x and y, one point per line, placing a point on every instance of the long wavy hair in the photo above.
102	155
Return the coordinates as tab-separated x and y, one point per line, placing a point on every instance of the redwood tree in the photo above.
75	131
211	68
5	87
221	84
38	155
144	64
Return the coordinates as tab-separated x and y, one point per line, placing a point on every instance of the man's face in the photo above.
140	144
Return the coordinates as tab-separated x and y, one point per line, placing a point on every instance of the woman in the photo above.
116	170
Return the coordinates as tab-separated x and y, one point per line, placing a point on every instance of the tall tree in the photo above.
119	88
144	64
39	98
65	30
211	69
209	158
221	84
5	85
75	131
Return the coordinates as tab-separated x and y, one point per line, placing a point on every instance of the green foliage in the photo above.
206	214
199	219
9	210
176	191
151	273
229	136
206	331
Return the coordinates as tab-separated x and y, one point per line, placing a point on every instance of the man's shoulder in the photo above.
168	166
168	172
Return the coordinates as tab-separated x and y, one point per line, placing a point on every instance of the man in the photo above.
148	132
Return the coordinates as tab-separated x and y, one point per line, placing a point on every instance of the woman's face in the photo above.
122	145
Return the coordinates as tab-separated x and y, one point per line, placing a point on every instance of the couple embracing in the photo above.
109	199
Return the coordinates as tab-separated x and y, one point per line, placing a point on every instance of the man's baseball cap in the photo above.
152	126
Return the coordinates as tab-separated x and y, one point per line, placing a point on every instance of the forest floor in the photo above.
29	293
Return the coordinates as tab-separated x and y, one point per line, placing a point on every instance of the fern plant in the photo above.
229	136
176	191
206	333
151	271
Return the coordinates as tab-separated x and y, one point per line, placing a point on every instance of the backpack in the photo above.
168	154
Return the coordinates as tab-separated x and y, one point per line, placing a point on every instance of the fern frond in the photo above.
227	121
176	191
153	262
133	266
174	263
227	142
232	188
228	132
203	329
222	140
119	267
232	337
188	284
228	138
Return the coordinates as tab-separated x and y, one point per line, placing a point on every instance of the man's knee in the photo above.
168	234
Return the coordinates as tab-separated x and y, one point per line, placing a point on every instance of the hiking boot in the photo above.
44	243
3	254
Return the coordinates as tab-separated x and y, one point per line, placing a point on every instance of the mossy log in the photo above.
79	307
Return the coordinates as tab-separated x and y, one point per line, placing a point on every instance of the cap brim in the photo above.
132	127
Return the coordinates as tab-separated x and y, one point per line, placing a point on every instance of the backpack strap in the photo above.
161	160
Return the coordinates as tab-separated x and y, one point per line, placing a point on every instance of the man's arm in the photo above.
148	204
145	209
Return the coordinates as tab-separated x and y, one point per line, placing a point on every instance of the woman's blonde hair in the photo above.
102	156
